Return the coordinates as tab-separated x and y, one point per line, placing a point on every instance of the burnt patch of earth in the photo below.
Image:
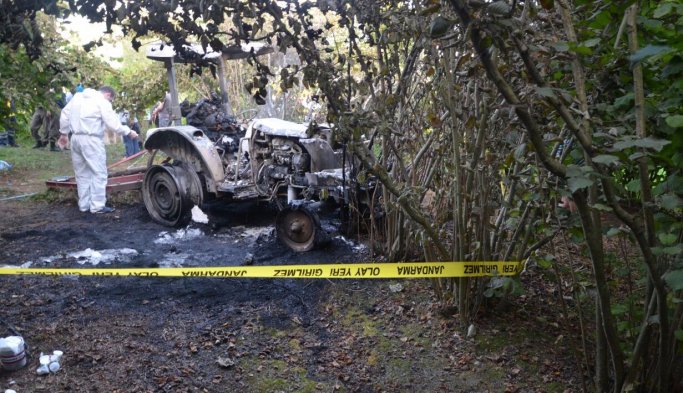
137	334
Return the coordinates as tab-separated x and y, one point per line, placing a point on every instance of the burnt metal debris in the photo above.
209	116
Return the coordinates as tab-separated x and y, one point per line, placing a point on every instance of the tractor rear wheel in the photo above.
169	193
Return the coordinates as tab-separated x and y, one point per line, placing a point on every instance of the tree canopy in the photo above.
39	60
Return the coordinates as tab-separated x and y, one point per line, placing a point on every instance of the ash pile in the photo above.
209	116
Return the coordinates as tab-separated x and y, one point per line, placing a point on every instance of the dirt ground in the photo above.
129	334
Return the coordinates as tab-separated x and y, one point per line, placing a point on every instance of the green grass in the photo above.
271	375
33	167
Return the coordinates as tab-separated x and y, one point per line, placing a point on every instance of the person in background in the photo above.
39	119
48	118
68	95
313	106
10	124
124	115
87	116
153	117
132	145
163	111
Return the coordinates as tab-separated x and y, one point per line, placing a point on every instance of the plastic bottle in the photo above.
12	354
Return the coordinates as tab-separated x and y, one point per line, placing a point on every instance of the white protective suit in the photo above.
86	116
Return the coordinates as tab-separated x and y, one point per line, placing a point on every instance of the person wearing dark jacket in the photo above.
132	145
10	124
48	118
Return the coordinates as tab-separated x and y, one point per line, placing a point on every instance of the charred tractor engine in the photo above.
292	165
208	115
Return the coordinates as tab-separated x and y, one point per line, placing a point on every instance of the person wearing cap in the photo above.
87	116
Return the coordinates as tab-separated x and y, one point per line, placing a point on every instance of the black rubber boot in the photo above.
38	145
53	147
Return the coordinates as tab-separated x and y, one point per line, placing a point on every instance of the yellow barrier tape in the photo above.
354	270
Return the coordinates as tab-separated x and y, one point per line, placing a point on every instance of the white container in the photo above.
12	353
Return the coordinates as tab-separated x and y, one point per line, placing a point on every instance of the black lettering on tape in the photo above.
64	273
367	271
215	273
279	273
510	268
420	270
298	272
481	269
340	272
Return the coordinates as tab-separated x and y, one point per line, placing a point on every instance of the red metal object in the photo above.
130	179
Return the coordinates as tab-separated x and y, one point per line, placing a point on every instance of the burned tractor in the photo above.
291	165
295	166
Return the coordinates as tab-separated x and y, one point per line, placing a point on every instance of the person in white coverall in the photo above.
86	116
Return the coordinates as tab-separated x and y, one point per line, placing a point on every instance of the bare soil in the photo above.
130	334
